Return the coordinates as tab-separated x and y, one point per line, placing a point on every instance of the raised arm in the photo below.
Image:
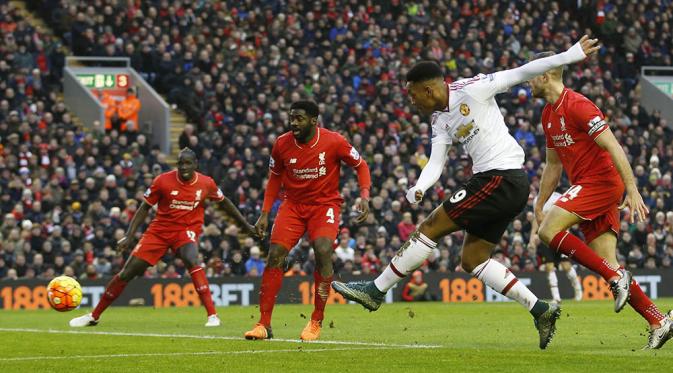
492	84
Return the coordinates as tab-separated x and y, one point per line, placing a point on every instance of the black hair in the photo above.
310	107
187	151
424	70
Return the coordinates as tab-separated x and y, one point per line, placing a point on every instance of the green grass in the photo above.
470	337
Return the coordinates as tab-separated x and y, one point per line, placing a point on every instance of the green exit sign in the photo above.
104	81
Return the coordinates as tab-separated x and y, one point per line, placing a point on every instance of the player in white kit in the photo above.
466	112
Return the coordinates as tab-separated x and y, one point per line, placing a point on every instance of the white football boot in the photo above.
82	321
213	320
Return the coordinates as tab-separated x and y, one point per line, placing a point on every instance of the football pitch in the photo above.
407	337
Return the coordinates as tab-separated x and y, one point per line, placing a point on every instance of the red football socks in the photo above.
272	279
576	249
113	289
644	306
321	290
202	288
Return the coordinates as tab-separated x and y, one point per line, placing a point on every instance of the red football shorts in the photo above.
153	245
596	203
294	219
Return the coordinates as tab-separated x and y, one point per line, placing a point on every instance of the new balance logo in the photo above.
174	193
293	160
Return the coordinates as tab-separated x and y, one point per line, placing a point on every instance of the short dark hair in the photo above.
537	56
310	107
188	152
424	70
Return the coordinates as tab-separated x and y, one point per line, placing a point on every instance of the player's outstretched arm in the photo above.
365	183
270	194
232	211
138	218
550	179
503	80
633	200
430	173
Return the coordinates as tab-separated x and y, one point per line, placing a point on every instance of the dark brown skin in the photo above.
134	266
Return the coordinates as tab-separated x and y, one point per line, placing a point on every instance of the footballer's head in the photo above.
186	164
426	87
303	119
540	84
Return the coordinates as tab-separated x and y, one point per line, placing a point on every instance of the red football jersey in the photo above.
571	126
310	172
180	204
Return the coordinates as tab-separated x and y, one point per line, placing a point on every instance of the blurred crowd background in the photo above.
67	194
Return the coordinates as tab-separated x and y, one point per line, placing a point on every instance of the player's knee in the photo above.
323	249
127	275
276	257
547	233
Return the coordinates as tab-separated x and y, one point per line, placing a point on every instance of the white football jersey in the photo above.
473	119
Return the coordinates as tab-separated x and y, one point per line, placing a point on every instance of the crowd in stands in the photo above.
67	194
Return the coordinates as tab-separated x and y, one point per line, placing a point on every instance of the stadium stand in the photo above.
66	195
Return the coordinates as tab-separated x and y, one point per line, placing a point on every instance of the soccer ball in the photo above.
64	293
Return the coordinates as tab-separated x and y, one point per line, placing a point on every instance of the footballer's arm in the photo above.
633	200
551	174
503	80
138	218
430	173
233	212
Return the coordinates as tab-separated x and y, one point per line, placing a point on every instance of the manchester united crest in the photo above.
464	109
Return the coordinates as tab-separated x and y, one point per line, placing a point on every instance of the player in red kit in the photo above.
179	195
306	162
580	142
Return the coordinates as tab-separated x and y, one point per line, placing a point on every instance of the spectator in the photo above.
416	290
254	263
406	226
128	110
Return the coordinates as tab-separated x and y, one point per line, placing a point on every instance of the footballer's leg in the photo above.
550	268
322	276
190	255
288	228
661	327
571	274
272	280
133	268
323	227
553	232
409	257
476	260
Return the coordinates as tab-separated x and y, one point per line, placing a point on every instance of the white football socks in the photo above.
502	280
575	282
410	256
553	286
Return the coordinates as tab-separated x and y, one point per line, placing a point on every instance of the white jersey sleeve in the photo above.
489	85
441	131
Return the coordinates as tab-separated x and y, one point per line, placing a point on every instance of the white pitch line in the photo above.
229	338
196	353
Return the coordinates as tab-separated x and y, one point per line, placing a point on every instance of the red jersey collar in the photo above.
317	138
192	182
